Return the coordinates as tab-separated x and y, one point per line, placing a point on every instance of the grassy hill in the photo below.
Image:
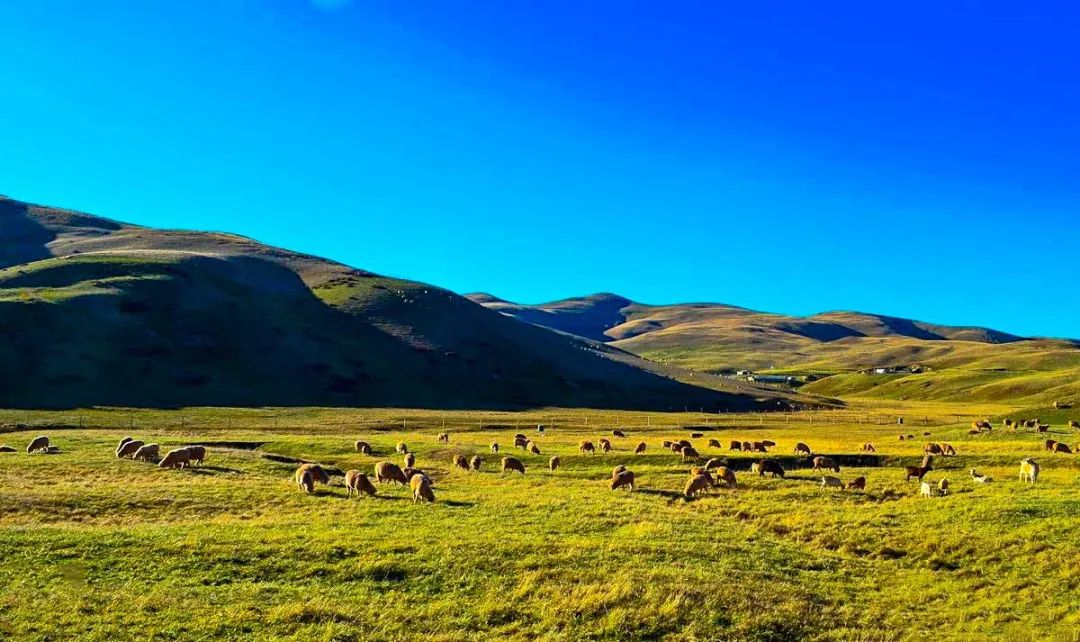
107	313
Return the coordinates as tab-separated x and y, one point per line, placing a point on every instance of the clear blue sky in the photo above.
920	159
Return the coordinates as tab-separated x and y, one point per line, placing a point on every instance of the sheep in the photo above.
901	438
1029	470
305	482
926	490
801	448
979	477
943	487
476	462
357	482
510	464
363	447
640	448
735	445
768	443
625	479
618	469
868	448
533	448
617	433
401	448
1009	423
831	482
605	445
947	450
495	447
519	435
39	444
128	448
697	435
1074	423
409	473
665	444
198	454
1042	427
1050	444
410	460
121	445
386	471
317	473
444	438
421	489
178	458
554	462
697	485
759	447
148	452
521	441
859	483
587	448
461	462
932	449
716	463
690	454
821	462
685	443
747	446
1061	405
1031	423
726	475
769	466
676	447
1062	448
714	443
919	471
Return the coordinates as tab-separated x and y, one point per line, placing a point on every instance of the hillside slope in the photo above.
104	313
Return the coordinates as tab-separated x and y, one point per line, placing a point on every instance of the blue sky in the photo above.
916	159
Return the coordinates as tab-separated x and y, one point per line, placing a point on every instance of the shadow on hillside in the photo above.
22	239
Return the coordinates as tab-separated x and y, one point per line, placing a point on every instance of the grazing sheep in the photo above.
386	471
859	483
697	485
801	448
39	444
494	447
665	444
735	445
901	438
518	435
919	471
317	473
768	443
932	449
617	433
697	435
444	438
510	464
412	472
676	447
554	462
401	448
979	477
825	463
926	434
868	448
533	448
625	479
121	445
476	462
587	447
716	463
148	452
363	447
747	446
1061	405
128	448
1029	470
910	437
926	490
521	441
357	482
769	466
831	482
178	458
421	489
605	446
640	448
461	462
410	460
1050	444
306	482
1042	427
198	454
1062	448
759	447
1031	423
714	443
943	487
7	449
688	453
947	450
726	475
618	469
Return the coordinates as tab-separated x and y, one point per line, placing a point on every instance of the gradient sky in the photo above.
919	160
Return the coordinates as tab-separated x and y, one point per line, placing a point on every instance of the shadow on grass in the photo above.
667	494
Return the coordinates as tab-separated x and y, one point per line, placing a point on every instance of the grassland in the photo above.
97	548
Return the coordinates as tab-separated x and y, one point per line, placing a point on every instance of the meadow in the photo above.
99	548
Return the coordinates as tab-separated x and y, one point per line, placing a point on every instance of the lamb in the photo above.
128	448
625	479
943	487
121	445
859	483
979	477
868	448
831	482
803	449
401	448
476	462
363	447
421	489
926	490
617	433
605	446
149	452
554	462
510	464
495	447
640	448
1029	470
461	462
689	454
919	471
386	471
533	448
697	485
410	460
735	445
198	454
769	466
178	458
305	482
714	443
39	444
1062	448
726	475
444	438
587	447
821	462
357	482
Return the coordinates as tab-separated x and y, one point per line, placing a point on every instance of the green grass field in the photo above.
98	548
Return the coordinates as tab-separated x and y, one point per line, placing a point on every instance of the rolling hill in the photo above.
955	362
105	313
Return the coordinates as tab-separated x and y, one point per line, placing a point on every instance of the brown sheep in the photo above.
409	473
128	448
521	441
533	448
617	433
726	475
769	466
518	435
901	438
587	447
697	435
932	449
318	475
148	452
685	443
640	448
758	447
747	446
803	449
178	458
410	460
676	447
461	462
401	448
624	479
605	446
618	469
735	445
444	438
554	462
386	471
714	443
494	447
1062	448
476	462
363	447
697	485
305	482
859	483
510	464
121	445
688	454
868	448
665	444
768	443
39	444
1050	444
947	450
421	489
198	454
919	471
826	463
357	482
